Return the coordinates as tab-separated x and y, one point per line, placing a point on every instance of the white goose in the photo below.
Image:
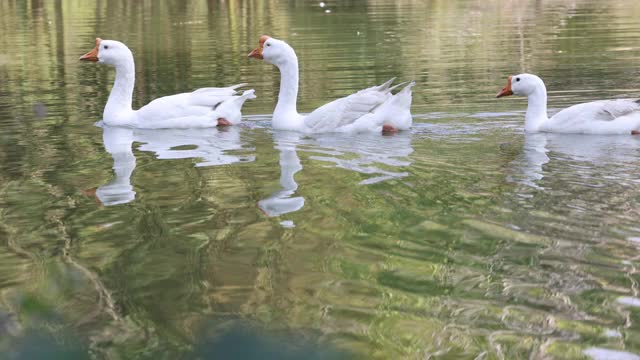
207	107
372	109
597	117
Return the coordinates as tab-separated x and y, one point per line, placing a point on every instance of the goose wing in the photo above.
197	103
603	110
348	109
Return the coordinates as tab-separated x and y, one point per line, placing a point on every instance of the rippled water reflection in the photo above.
463	238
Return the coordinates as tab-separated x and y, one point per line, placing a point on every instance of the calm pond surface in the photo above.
462	239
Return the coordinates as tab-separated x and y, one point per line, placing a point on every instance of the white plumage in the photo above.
371	109
206	107
604	117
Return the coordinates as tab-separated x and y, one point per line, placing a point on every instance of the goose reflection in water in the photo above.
615	152
371	150
282	202
117	142
211	146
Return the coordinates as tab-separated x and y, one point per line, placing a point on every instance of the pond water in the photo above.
463	238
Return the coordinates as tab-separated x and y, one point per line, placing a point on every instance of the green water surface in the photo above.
463	238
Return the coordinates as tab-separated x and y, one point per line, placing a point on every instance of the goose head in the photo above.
109	52
273	51
523	85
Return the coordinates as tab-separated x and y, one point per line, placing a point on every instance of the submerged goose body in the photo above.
604	117
371	109
207	107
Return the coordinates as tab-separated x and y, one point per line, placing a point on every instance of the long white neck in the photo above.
119	103
536	110
286	114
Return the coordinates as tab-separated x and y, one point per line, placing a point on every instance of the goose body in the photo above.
604	117
372	109
207	107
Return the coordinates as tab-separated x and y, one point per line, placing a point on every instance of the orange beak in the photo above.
93	54
506	91
257	52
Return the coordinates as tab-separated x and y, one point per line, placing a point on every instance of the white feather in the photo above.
362	111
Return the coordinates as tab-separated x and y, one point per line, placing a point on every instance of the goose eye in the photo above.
105	47
517	79
268	44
